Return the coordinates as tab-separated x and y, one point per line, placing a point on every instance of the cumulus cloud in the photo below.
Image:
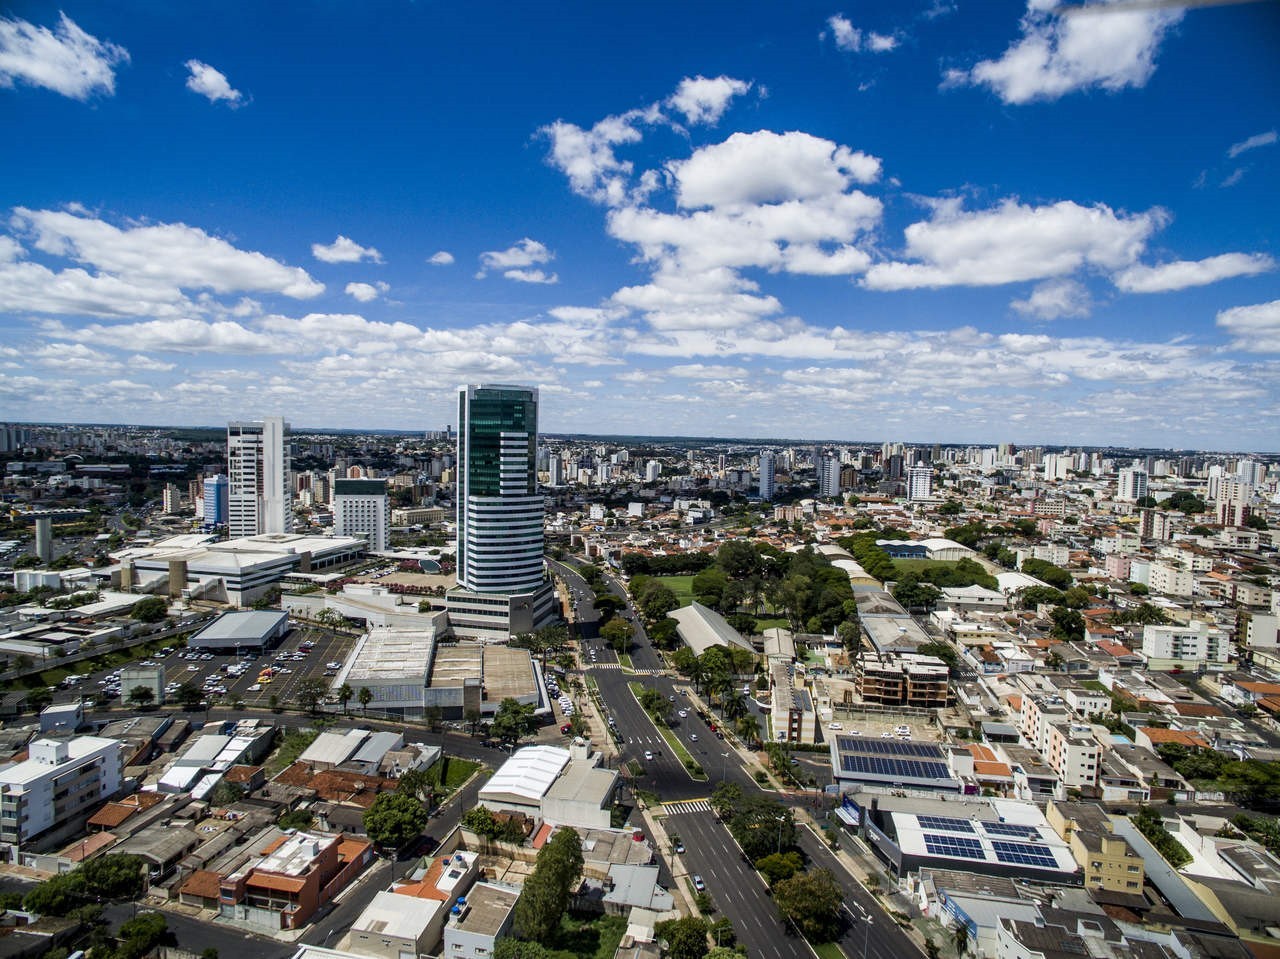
441	258
65	59
706	371
1256	328
1062	52
1055	299
704	100
1182	274
210	83
344	250
1252	143
157	260
366	292
850	39
587	158
516	262
1014	242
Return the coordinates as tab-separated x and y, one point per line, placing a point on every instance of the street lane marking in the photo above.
687	806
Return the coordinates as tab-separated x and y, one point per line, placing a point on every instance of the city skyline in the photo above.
921	220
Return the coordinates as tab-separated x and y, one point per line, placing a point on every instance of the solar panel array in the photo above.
1008	829
945	823
1023	854
898	769
888	747
956	846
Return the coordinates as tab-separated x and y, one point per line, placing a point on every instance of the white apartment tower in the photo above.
502	586
258	496
768	470
361	507
920	482
829	476
1132	485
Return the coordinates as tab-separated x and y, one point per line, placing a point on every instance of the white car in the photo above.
333	665
193	668
835	725
255	688
648	755
683	713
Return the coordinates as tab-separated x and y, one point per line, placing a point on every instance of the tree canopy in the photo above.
394	819
546	893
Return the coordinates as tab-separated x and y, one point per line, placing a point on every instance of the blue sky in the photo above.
922	220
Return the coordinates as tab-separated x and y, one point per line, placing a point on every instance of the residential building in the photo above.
295	875
361	507
171	499
61	780
1072	751
920	482
829	476
768	473
503	588
214	506
1131	485
259	494
475	926
902	679
1193	646
793	717
1170	580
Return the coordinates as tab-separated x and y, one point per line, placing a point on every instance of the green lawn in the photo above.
776	622
594	938
677	747
829	950
625	660
291	747
682	586
454	771
916	565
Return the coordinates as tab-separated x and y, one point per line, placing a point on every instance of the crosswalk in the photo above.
686	806
638	672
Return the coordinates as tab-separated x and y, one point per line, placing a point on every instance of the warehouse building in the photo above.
567	787
256	631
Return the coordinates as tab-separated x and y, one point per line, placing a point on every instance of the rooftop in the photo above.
388	653
528	774
396	916
486	909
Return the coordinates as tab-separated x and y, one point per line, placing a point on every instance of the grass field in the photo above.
775	622
829	950
916	565
682	586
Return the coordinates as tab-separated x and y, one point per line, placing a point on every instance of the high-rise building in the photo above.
502	588
829	476
361	507
215	500
1132	485
652	471
258	497
768	469
920	482
171	499
555	471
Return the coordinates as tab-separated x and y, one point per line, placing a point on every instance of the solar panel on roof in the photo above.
958	847
896	769
1008	829
945	823
1023	854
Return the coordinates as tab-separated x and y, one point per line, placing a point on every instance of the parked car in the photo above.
698	884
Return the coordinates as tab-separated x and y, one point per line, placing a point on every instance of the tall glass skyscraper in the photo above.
502	585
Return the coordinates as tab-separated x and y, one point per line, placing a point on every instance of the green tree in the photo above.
1046	572
778	866
725	799
513	948
512	721
686	938
142	695
960	938
1068	624
364	697
761	826
709	587
479	820
471	715
150	609
546	893
943	651
394	819
913	594
345	692
190	696
311	693
617	633
140	935
811	900
738	558
1076	598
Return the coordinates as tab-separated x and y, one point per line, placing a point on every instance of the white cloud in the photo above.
211	84
1234	177
704	371
1055	299
1182	274
1253	142
366	292
1256	328
344	250
182	335
767	167
441	258
515	262
704	100
1013	242
65	60
531	276
850	39
587	157
1061	52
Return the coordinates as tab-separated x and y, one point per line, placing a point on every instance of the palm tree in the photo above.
345	692
365	697
748	727
734	703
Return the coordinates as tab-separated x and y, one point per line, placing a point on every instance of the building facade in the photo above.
503	587
361	507
768	470
1131	485
920	482
214	508
259	498
61	780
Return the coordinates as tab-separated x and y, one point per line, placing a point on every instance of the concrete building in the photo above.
475	926
793	716
1131	485
902	679
567	787
768	472
920	482
259	496
250	630
1170	580
829	476
295	875
1107	860
1194	646
361	507
214	505
148	677
503	588
61	781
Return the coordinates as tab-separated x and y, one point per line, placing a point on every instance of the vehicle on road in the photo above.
693	737
683	713
698	884
648	755
679	848
835	725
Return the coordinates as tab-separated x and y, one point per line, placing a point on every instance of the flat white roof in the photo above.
334	747
528	774
391	654
30	770
391	914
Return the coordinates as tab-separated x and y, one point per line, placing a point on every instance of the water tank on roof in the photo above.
462	900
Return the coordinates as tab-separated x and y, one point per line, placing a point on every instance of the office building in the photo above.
920	482
652	471
768	469
555	471
259	495
361	507
60	780
1132	485
503	588
215	500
